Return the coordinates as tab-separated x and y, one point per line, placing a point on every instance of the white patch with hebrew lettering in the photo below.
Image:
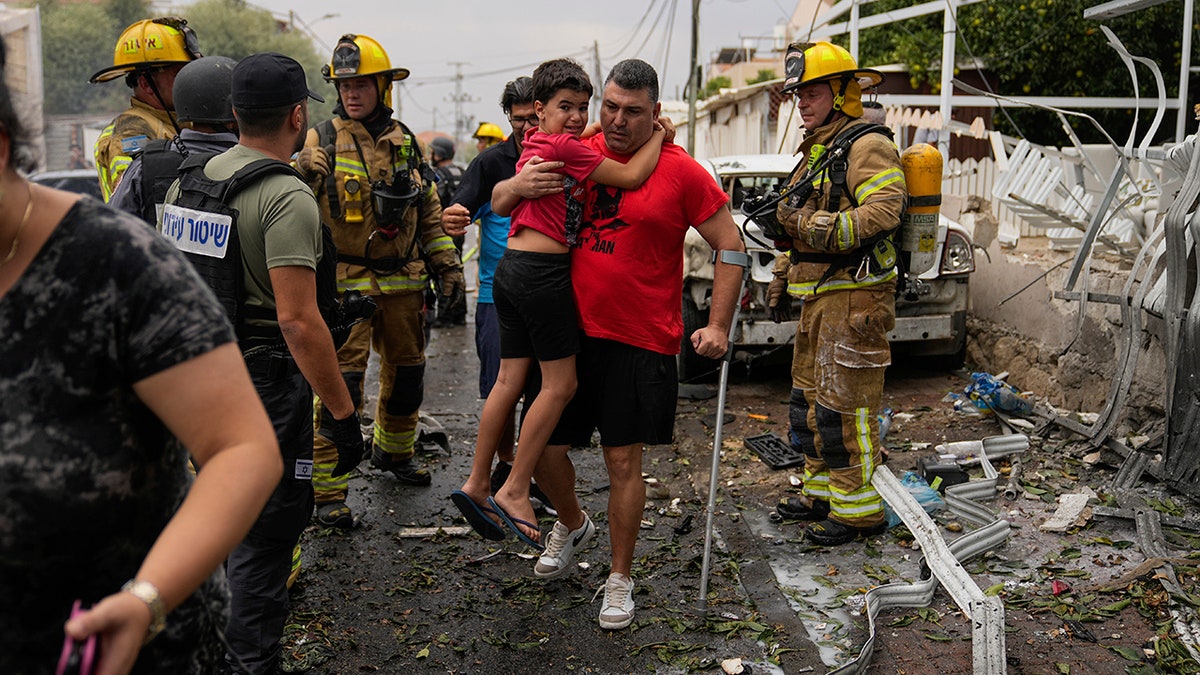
197	232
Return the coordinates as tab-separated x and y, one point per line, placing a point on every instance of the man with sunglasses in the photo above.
472	203
149	54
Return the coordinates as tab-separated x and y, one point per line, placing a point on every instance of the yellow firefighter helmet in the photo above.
488	132
359	56
808	62
149	44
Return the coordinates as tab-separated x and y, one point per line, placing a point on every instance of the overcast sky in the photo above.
499	40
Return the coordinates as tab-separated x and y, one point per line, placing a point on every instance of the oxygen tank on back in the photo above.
919	225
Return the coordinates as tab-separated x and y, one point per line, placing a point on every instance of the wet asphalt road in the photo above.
411	588
396	594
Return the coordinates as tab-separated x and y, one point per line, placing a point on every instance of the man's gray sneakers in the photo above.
617	611
555	560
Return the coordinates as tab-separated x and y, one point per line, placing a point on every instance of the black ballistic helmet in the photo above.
202	91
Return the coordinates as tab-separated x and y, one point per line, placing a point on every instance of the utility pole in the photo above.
595	112
434	127
694	85
458	98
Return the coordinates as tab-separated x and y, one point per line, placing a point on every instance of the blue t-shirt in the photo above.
493	165
493	241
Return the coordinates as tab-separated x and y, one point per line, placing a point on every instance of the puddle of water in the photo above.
801	578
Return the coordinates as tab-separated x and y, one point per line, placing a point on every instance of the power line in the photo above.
666	52
640	23
650	32
524	67
458	98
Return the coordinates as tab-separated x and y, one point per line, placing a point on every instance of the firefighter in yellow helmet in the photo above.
148	54
378	195
487	135
839	215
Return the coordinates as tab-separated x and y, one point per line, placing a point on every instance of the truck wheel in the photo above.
692	366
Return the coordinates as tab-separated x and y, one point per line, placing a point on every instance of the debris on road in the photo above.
1072	512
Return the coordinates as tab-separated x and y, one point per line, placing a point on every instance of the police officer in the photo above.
149	53
201	94
385	213
441	156
450	174
843	266
279	233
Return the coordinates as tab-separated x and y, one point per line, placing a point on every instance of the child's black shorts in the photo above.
535	306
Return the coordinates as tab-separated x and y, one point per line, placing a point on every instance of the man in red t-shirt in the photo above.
627	275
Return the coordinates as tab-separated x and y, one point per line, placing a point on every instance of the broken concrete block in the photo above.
1070	508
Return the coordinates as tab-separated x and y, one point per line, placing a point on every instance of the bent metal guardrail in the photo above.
944	561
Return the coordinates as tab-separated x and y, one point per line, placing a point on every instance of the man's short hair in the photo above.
262	121
559	74
635	74
517	92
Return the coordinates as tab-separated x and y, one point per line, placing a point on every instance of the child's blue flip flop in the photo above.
512	523
477	516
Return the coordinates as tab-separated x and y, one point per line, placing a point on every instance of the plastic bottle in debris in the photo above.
885	423
1007	399
998	395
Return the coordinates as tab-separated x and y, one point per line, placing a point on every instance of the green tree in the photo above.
77	41
764	75
123	13
714	85
235	29
1039	48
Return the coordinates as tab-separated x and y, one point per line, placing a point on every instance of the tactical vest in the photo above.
449	177
204	227
160	167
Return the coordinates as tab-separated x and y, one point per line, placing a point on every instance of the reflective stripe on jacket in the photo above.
875	180
127	132
363	159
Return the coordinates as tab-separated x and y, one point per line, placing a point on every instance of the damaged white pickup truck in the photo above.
931	314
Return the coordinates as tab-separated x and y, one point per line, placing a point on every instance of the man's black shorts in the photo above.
535	306
627	393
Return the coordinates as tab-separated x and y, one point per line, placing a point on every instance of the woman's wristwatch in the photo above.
148	593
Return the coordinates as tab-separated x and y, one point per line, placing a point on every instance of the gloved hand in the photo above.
346	435
779	304
819	231
454	291
313	164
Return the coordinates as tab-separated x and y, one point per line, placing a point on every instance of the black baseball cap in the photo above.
269	80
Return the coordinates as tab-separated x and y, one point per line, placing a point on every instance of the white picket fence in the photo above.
964	178
1033	199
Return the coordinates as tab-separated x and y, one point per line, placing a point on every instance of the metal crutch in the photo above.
743	260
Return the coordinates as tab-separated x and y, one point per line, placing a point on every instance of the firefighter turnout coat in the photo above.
126	134
841	350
